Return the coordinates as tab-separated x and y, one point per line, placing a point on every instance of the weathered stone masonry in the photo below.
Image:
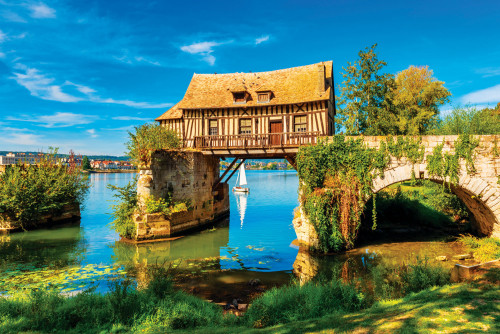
480	191
187	175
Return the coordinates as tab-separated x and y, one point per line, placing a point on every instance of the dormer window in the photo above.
264	97
240	97
264	94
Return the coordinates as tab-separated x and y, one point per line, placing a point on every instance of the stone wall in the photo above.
480	191
188	176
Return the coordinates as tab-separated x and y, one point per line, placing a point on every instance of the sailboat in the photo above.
242	179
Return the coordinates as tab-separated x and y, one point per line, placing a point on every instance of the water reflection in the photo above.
56	247
241	202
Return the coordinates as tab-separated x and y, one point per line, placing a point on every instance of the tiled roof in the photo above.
291	85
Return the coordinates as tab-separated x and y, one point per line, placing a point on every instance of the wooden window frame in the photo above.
266	94
304	124
240	127
210	127
244	97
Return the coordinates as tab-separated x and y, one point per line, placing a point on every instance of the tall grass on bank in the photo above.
295	302
483	249
390	282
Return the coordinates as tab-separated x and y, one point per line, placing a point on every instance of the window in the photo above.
240	97
300	124
212	127
263	97
245	126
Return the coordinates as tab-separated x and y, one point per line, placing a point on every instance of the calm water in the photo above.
255	242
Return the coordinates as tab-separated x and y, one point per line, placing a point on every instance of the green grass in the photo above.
313	307
483	249
461	308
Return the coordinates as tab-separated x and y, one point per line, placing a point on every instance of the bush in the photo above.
126	199
295	302
148	138
483	249
29	192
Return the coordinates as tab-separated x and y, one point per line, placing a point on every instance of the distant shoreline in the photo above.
111	171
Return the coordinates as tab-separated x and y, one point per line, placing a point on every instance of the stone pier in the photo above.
185	175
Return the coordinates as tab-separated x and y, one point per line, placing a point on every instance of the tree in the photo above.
86	163
417	97
364	105
469	120
148	138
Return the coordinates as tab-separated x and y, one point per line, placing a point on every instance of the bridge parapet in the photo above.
479	190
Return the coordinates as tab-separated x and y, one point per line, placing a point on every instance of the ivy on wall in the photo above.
337	176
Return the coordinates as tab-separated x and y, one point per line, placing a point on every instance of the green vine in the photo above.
447	165
337	178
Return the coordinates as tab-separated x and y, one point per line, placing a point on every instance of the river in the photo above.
255	242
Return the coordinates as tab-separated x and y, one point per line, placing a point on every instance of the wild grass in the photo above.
391	282
294	302
160	308
483	249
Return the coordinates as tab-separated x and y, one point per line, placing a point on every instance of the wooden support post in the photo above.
291	161
234	171
224	174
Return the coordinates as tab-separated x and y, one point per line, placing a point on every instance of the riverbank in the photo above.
460	308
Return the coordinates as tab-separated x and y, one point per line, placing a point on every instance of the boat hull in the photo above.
241	190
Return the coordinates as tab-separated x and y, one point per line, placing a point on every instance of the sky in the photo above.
80	74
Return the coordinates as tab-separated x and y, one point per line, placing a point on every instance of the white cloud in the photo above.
205	49
130	118
122	128
56	120
487	95
92	133
2	55
41	11
134	60
42	86
12	17
3	36
20	136
261	39
489	71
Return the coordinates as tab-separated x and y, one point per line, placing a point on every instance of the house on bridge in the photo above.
256	115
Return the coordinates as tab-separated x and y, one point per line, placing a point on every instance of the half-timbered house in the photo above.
265	114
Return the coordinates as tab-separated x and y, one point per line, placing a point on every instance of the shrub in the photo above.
148	138
295	302
123	210
483	249
29	192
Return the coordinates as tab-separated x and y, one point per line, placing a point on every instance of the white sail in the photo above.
243	178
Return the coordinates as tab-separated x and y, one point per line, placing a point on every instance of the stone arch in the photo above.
481	198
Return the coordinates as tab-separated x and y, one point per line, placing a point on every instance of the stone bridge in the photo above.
479	191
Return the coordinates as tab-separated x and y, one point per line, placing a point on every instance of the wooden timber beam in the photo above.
224	174
291	160
234	171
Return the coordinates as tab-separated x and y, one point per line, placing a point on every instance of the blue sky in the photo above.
79	74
